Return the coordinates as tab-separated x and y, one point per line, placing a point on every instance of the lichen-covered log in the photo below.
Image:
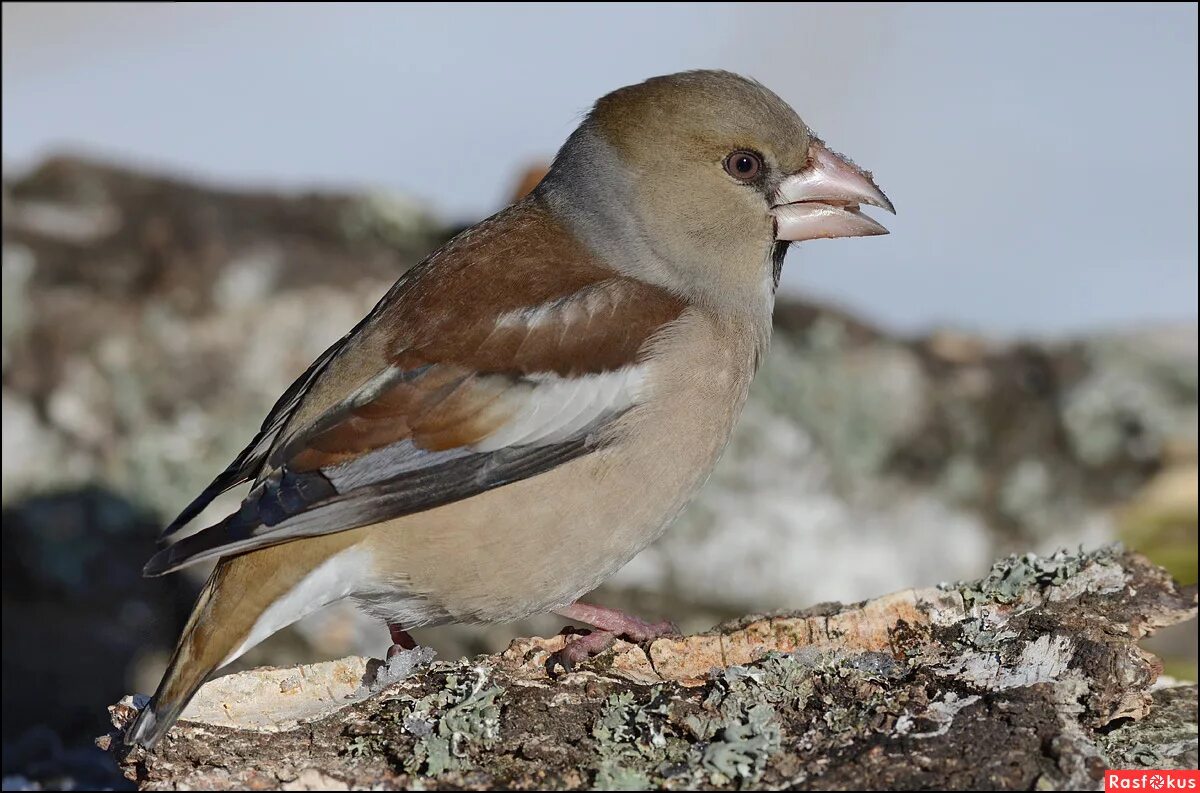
1030	677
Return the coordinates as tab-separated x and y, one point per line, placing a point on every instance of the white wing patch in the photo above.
559	407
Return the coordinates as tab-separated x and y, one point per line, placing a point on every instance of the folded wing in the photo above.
476	371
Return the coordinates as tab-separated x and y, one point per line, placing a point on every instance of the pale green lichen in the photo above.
778	679
633	740
975	634
742	730
729	742
1013	577
363	746
615	776
624	721
740	750
464	714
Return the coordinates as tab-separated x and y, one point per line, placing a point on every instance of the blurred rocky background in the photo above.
149	323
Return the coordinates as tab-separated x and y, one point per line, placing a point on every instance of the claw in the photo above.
580	649
556	660
609	624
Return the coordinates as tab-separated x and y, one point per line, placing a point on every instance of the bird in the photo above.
536	401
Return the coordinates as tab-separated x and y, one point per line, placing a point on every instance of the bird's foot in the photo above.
401	640
610	625
619	623
579	649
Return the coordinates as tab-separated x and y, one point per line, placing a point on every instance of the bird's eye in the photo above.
744	166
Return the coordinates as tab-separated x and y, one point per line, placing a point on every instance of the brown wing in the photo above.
503	355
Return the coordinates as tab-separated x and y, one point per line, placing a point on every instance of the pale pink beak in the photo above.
821	200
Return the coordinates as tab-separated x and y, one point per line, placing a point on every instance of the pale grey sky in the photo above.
1042	158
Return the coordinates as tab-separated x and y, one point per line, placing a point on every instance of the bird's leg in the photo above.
401	641
609	624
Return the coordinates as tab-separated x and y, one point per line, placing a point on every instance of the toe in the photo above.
559	660
579	649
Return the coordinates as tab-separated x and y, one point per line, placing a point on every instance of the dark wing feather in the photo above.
423	489
249	465
249	462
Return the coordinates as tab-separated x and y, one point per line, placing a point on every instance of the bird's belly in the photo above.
543	542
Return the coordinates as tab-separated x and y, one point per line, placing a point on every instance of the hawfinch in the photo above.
533	404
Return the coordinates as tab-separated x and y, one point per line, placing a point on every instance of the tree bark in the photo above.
1028	678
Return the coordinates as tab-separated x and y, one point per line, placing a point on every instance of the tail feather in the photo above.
152	724
246	599
196	657
164	708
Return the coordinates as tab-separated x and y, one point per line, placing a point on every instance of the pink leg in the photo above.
401	641
609	624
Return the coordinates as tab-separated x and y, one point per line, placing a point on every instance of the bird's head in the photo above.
699	180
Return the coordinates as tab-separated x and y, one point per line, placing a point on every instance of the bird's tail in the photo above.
153	722
174	692
225	620
199	652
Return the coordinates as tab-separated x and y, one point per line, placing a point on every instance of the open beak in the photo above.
821	200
